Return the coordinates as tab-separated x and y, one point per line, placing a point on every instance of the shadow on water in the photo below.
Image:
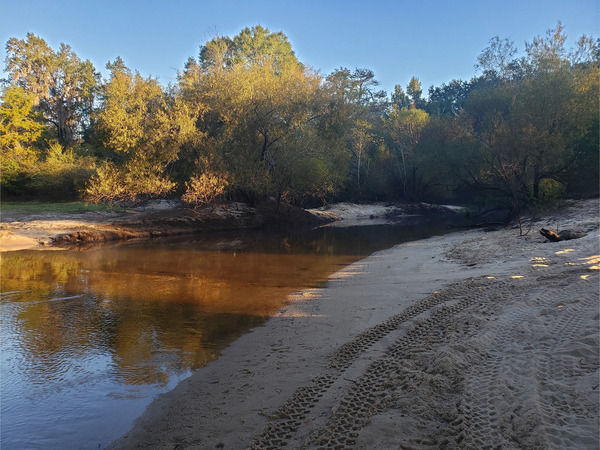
90	337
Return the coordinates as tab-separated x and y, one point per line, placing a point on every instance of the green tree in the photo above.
362	144
414	92
448	99
583	179
405	127
399	98
216	54
526	132
497	59
19	130
141	129
252	46
357	109
259	117
63	86
547	53
359	86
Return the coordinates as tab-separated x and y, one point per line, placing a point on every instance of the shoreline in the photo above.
161	218
465	339
54	231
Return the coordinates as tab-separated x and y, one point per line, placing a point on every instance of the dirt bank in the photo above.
34	230
468	340
26	230
352	214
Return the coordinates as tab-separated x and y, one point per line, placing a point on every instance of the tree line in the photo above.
246	120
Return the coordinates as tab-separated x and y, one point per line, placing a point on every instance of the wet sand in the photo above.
462	341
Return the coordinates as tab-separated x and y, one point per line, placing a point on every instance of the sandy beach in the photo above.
470	340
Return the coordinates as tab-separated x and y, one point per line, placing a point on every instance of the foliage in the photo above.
61	175
414	92
448	99
404	127
247	120
62	85
357	87
205	188
19	130
517	134
141	129
497	59
252	46
361	144
111	185
259	117
30	165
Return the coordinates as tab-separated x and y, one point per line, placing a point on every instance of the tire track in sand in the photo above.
288	419
451	377
539	404
393	373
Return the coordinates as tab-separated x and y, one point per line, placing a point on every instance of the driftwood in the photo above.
550	235
564	235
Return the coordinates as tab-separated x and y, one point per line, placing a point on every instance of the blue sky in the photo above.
436	41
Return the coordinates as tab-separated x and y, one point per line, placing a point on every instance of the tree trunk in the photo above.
265	146
536	184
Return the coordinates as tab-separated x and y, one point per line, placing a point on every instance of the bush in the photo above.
551	191
203	189
111	184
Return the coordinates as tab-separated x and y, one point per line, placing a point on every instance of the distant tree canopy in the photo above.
62	86
247	121
252	46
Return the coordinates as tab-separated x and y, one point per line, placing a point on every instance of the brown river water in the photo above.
90	337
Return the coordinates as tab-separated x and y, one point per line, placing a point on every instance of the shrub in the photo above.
203	189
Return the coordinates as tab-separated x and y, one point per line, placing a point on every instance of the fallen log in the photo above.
550	235
564	235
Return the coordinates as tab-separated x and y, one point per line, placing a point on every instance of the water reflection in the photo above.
88	338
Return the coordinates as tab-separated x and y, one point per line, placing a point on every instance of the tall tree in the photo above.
448	99
260	114
362	142
414	92
528	124
359	86
547	53
141	129
405	127
252	46
63	86
399	98
19	129
496	59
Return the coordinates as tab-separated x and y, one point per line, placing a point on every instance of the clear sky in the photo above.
434	40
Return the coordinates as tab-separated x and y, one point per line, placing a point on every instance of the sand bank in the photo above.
22	229
461	341
43	230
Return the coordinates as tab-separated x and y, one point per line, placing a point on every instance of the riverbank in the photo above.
20	230
470	339
25	229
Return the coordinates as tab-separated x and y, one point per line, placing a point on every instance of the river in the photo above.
90	337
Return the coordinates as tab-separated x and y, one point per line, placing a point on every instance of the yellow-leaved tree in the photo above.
141	129
260	113
19	129
405	127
